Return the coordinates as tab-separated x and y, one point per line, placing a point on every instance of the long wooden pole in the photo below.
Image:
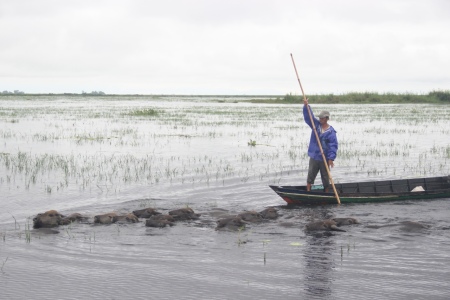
317	135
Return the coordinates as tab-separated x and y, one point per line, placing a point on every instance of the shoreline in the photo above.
434	97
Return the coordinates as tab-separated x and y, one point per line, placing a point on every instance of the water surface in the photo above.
93	156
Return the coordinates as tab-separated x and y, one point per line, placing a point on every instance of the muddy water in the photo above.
381	258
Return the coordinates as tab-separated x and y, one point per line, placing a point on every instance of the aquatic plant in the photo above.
296	244
68	231
28	231
239	240
16	225
3	264
264	243
149	112
199	143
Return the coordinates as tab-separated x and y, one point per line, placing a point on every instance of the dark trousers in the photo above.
314	167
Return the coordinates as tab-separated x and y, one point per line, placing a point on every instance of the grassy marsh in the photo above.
107	144
436	97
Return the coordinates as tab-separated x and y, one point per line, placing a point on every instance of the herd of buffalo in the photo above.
153	218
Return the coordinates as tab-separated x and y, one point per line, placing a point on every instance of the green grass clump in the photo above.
144	113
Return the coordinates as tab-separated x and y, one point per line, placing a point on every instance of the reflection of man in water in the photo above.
329	142
319	261
319	265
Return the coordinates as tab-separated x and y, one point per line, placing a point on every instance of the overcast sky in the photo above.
239	47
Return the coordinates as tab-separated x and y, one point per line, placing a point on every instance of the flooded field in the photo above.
216	155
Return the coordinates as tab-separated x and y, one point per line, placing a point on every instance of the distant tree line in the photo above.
17	92
93	93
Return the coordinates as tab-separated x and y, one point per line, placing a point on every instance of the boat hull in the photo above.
369	192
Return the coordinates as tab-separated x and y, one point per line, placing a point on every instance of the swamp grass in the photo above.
65	144
436	97
144	113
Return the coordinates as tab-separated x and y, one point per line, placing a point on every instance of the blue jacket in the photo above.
328	139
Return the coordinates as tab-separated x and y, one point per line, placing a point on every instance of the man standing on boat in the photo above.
329	142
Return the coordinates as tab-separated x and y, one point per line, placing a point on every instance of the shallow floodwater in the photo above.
96	155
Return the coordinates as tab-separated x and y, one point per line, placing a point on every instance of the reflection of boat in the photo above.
363	192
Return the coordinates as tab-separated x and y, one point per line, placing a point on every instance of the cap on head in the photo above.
324	114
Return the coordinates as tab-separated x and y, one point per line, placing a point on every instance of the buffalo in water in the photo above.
325	225
412	226
112	217
127	218
184	214
406	226
160	221
146	213
251	216
53	218
345	221
75	217
269	213
234	223
107	218
330	224
255	217
230	224
48	219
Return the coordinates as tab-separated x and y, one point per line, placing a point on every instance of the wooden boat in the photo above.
363	192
